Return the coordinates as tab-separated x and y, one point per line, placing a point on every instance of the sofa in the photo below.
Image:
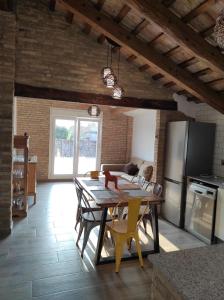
143	166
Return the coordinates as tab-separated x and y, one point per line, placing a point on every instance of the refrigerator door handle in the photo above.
173	181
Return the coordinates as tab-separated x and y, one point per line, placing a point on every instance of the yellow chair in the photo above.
125	230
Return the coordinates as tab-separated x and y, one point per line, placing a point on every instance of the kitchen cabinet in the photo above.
219	224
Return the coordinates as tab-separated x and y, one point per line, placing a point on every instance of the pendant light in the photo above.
107	74
118	91
219	30
94	111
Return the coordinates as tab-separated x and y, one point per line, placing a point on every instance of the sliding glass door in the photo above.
87	145
74	144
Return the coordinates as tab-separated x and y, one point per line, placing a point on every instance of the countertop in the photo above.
194	273
214	180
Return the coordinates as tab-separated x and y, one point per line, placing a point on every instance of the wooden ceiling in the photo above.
172	40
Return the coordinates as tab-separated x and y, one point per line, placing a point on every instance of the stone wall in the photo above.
7	69
33	116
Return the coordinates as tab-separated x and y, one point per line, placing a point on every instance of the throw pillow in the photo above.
130	169
147	173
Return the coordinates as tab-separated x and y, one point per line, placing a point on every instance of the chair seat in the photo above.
88	216
93	207
119	226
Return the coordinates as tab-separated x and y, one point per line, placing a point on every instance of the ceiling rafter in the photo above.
200	9
121	15
69	17
121	36
52	4
140	26
100	4
152	10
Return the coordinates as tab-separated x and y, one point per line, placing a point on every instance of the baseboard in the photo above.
53	180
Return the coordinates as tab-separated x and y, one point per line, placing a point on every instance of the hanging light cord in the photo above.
108	55
118	64
111	58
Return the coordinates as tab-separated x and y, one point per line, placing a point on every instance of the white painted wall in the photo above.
144	129
205	113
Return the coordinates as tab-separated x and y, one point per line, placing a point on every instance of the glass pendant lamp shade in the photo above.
117	92
106	71
219	30
110	80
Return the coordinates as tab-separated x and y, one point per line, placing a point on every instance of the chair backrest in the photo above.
79	190
133	213
155	188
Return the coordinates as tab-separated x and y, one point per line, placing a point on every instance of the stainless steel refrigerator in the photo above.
189	152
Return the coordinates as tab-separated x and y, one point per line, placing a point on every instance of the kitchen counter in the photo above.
214	180
193	274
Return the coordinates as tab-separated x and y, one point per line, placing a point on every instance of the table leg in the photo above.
155	228
101	236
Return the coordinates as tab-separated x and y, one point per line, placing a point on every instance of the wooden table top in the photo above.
111	197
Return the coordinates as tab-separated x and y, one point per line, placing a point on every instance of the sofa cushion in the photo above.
137	161
144	168
147	173
131	169
127	177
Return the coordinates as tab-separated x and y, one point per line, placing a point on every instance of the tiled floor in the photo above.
40	260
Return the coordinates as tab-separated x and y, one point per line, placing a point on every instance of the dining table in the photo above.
110	197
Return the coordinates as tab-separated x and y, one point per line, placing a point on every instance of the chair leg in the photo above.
80	231
129	241
78	217
87	229
144	221
138	247
118	253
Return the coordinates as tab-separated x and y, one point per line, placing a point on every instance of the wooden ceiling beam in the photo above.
188	62
208	31
101	39
131	58
100	4
155	39
202	72
87	28
169	84
200	9
168	3
172	51
142	25
157	76
52	4
152	10
143	68
69	17
22	90
147	54
122	13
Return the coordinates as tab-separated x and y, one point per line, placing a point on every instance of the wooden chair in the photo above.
123	230
81	205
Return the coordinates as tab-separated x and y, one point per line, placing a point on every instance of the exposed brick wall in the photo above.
33	116
52	53
7	62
